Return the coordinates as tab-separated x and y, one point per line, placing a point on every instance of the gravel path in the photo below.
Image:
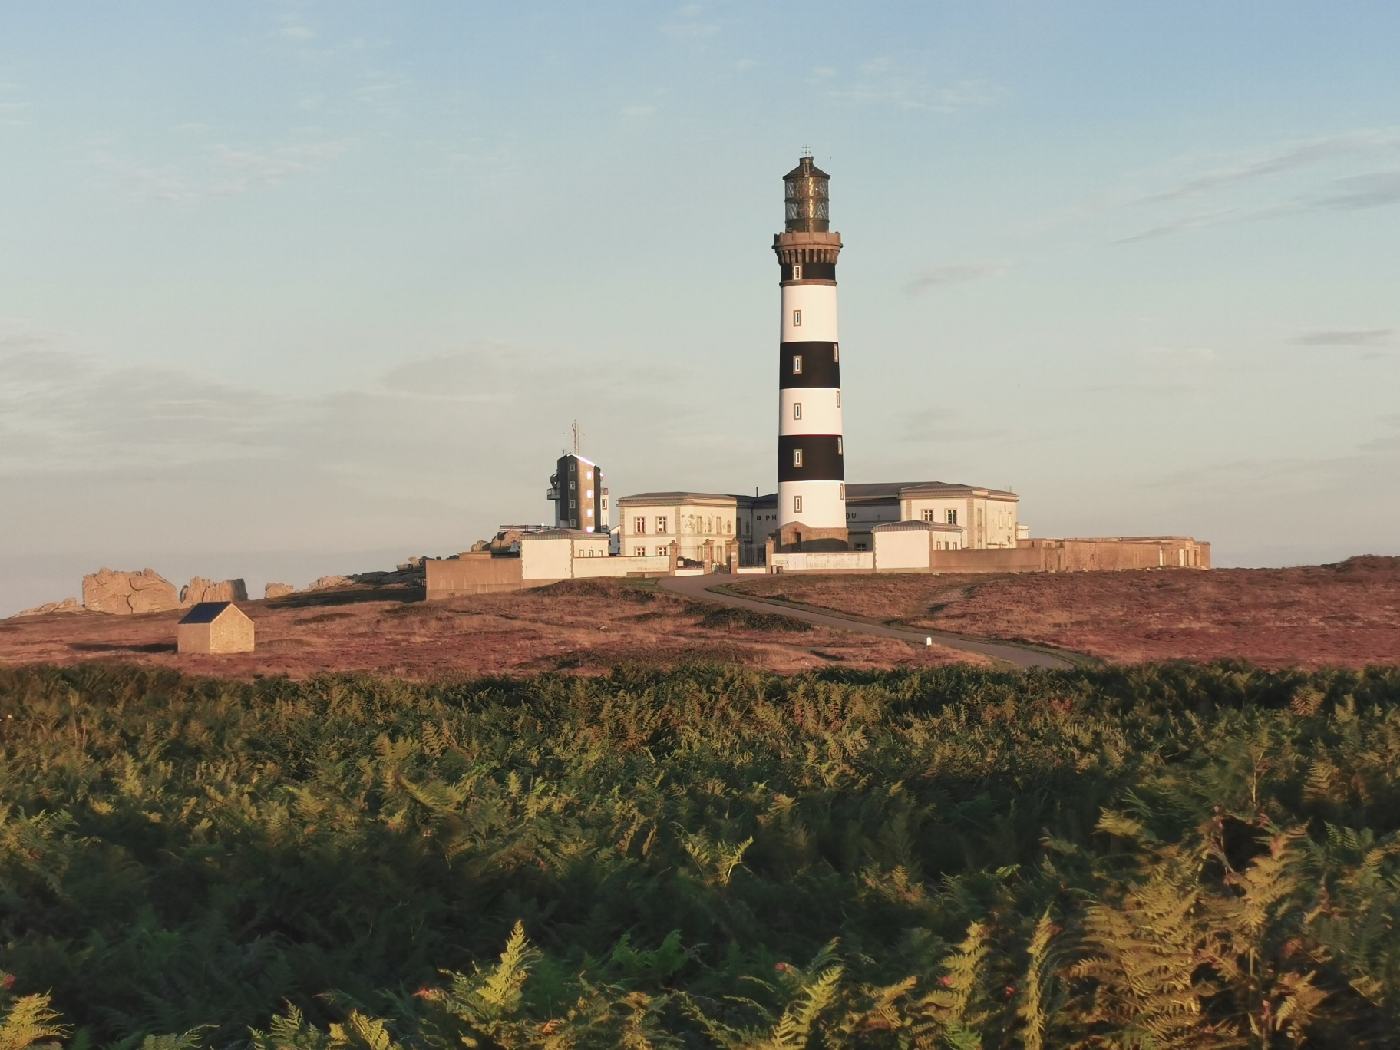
1018	656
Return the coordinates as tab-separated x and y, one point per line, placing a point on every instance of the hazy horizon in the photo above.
298	289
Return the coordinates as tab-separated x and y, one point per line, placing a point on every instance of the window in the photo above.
843	490
838	399
797	504
661	523
952	517
639	526
588	494
588	475
797	271
797	410
797	318
661	552
639	552
797	457
840	446
836	352
797	364
590	512
927	515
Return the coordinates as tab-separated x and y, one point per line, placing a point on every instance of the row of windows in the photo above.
949	517
690	523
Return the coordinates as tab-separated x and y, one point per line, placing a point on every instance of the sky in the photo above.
289	289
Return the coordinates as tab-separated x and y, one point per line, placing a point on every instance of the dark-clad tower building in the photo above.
811	446
576	488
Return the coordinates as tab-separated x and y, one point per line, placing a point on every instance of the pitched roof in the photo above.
898	489
915	526
206	612
674	497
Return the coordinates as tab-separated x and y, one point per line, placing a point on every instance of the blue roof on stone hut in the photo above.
205	612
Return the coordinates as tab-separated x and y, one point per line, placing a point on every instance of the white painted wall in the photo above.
546	557
824	561
902	549
821	411
817	302
592	568
822	505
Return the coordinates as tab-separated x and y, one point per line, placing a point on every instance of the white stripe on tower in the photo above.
811	452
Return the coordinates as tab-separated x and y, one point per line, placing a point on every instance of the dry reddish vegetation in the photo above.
1314	616
583	627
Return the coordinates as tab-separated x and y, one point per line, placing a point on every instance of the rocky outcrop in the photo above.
201	590
278	590
68	605
329	583
124	593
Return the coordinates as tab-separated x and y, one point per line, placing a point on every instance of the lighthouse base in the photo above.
795	536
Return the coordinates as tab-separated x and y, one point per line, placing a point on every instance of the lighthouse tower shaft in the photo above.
811	442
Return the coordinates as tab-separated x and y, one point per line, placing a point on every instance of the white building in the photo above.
986	517
651	521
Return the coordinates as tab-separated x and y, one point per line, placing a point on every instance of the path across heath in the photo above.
1018	656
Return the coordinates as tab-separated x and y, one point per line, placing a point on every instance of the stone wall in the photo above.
474	573
232	632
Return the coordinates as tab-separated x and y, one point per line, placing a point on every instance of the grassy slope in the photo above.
1344	615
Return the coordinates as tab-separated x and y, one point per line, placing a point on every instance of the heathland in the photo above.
1347	614
1170	856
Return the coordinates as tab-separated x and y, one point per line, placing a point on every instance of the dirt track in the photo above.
700	588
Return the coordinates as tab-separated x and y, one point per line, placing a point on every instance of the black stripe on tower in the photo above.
823	457
812	271
809	365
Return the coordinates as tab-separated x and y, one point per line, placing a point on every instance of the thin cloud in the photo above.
1364	337
14	108
957	273
1375	190
217	170
1281	159
883	81
689	23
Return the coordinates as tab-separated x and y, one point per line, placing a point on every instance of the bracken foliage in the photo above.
1171	856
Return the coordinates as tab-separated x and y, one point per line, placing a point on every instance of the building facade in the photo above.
651	521
811	441
579	496
986	517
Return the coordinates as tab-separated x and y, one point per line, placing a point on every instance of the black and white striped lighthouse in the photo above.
811	447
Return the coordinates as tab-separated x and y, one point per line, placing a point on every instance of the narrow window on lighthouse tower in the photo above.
797	457
797	271
797	318
797	410
797	504
797	364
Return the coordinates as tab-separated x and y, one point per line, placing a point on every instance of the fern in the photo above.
29	1022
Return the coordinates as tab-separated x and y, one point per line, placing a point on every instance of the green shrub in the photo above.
1168	856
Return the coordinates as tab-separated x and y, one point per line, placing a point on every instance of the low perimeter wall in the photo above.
1079	555
823	561
477	573
651	565
480	573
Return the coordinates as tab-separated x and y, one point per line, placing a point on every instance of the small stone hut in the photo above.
215	627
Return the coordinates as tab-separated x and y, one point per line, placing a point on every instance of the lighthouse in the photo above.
811	445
